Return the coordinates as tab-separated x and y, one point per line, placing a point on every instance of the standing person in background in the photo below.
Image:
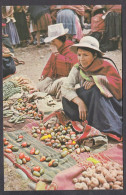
68	15
21	24
10	28
97	22
112	36
40	16
60	62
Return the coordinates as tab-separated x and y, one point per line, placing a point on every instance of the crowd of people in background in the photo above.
24	25
29	24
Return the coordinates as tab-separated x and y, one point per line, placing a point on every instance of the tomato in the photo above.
4	139
50	163
24	144
37	168
27	158
6	143
9	146
21	155
32	151
8	150
20	136
57	125
43	158
38	131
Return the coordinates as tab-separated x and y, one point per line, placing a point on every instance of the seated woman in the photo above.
99	98
8	62
60	62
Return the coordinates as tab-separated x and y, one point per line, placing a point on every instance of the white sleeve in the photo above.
68	88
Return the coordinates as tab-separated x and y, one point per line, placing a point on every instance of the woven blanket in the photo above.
50	172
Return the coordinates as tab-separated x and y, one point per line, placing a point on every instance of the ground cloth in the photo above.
50	172
63	180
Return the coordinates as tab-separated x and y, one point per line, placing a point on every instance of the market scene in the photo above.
62	97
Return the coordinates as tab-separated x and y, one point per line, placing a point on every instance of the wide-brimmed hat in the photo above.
87	42
96	7
55	31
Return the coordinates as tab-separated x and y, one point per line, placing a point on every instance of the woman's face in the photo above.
85	57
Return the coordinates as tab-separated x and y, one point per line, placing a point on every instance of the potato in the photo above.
119	178
78	186
118	183
120	172
101	178
87	173
81	179
116	187
109	177
98	169
122	183
105	171
106	186
87	181
75	180
98	164
95	188
94	182
114	173
84	186
84	173
111	184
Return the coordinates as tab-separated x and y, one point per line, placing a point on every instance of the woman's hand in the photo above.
81	107
41	78
88	84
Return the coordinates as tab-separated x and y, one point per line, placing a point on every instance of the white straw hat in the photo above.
54	31
88	42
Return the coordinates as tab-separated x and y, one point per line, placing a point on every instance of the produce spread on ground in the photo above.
46	152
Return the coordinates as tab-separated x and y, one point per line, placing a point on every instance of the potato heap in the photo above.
101	177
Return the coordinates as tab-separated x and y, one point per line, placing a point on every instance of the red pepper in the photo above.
8	150
32	151
24	144
27	158
37	168
50	163
21	155
43	158
9	146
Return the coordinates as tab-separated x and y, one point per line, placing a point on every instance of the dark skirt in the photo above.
42	23
105	114
21	25
8	66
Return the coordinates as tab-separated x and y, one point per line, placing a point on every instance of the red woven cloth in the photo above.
111	80
60	65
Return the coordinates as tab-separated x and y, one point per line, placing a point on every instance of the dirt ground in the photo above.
35	59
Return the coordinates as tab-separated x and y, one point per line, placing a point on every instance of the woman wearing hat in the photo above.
98	100
60	62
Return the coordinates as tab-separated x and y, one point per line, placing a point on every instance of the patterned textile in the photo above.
105	77
50	172
97	23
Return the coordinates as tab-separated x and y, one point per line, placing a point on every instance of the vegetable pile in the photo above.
100	177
